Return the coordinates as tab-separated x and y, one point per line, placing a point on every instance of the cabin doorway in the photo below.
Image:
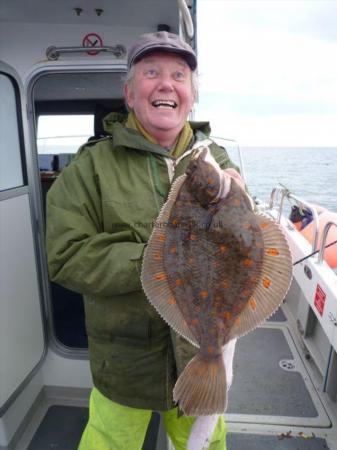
69	108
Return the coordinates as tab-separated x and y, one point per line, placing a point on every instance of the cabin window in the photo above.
60	136
63	133
11	174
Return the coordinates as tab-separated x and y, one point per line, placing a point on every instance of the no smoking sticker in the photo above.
92	40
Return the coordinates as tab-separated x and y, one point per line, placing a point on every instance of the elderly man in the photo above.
100	213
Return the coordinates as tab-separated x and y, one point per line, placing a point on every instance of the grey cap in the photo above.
161	41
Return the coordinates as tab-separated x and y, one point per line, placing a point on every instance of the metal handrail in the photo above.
53	53
327	227
284	193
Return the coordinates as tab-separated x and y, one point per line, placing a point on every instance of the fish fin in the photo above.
274	280
201	389
153	276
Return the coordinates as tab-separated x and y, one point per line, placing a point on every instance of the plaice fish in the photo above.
214	269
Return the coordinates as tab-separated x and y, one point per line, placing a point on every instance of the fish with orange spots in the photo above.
214	272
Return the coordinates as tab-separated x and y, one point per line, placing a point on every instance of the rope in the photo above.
186	18
314	253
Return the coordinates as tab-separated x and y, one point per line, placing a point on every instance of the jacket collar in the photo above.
126	137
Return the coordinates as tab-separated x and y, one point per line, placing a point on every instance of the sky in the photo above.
268	71
267	74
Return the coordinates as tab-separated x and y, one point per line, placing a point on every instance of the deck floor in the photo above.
273	404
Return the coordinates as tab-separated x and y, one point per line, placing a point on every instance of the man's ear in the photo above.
128	95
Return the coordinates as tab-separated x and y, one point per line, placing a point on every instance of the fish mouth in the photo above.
167	104
198	154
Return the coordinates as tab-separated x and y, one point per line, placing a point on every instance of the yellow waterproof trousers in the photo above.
115	427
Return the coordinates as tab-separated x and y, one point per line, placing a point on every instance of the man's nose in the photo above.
166	83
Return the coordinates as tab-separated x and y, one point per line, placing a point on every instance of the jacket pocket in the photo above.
138	214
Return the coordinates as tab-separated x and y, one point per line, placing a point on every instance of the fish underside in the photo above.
214	269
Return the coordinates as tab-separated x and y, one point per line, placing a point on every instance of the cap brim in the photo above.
186	55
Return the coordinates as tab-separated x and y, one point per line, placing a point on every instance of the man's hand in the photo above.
237	177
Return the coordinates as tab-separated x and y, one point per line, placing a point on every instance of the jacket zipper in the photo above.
171	166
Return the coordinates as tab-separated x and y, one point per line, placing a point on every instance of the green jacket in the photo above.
100	213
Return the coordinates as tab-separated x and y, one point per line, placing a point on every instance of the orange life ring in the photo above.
330	253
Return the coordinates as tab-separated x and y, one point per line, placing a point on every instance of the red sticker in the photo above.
320	296
92	40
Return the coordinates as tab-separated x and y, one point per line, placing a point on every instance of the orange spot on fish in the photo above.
272	251
193	237
210	180
173	249
194	321
223	248
161	238
264	225
248	262
171	301
179	282
266	282
175	221
210	349
160	276
237	321
225	284
204	294
228	315
252	303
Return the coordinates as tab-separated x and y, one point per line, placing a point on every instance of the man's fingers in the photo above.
237	177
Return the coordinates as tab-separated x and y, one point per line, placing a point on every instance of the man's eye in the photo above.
151	73
179	76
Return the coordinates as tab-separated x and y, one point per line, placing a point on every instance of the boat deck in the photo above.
275	402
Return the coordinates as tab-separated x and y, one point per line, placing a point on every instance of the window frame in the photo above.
18	108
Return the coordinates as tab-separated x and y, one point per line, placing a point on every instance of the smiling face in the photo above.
161	95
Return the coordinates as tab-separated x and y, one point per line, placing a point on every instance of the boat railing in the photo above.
323	241
279	194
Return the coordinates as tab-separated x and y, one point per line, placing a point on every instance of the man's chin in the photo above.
166	123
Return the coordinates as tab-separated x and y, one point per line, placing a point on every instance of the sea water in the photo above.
309	173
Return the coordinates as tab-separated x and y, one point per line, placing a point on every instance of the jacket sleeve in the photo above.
81	256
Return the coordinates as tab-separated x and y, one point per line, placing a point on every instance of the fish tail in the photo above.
201	388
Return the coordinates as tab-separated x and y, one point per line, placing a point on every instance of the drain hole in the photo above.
287	364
